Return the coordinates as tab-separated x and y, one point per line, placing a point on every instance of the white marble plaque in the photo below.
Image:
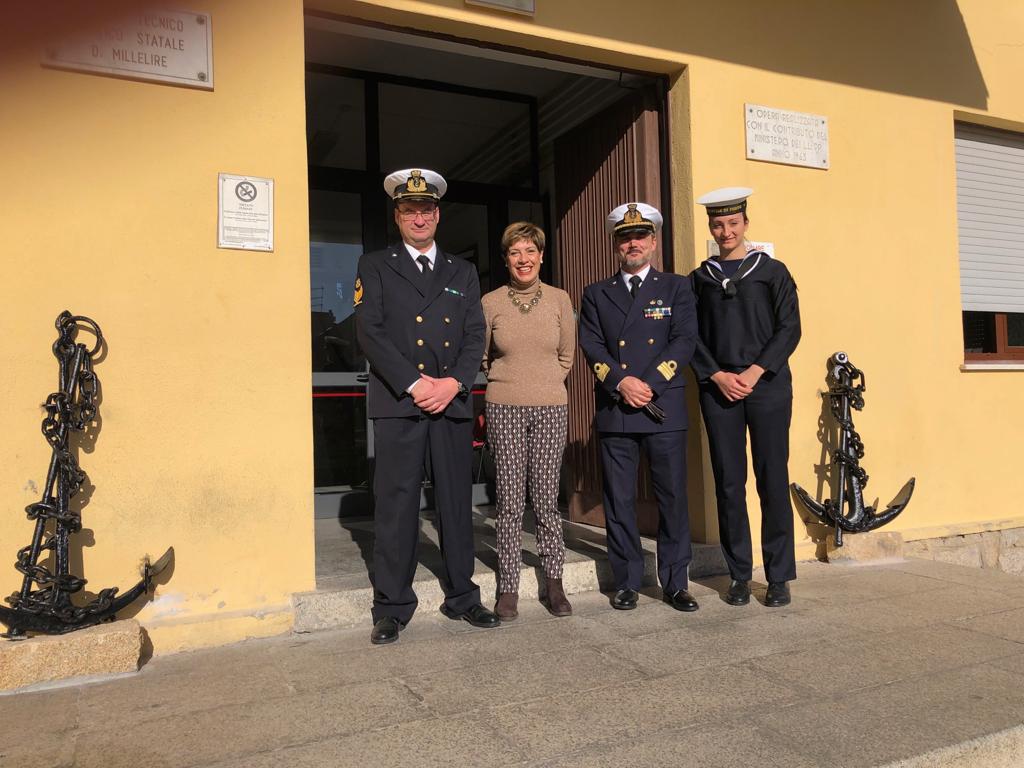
156	45
526	7
782	136
245	207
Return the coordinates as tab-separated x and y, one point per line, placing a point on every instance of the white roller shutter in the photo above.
990	212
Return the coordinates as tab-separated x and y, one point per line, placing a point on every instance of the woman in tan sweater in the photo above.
528	350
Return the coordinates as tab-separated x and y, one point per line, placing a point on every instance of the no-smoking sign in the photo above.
245	216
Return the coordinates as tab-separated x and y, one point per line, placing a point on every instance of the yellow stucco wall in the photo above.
109	204
109	209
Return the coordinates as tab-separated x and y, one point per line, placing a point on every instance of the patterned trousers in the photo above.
527	442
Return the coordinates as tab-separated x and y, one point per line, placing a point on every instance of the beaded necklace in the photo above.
524	306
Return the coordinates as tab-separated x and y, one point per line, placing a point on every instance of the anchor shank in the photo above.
844	441
37	534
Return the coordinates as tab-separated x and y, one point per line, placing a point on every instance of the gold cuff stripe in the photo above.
668	369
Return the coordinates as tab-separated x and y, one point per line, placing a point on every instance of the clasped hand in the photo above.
433	395
635	392
736	386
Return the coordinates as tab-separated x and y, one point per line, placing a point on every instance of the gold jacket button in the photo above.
624	366
650	341
447	343
420	367
447	319
622	342
419	319
419	342
444	368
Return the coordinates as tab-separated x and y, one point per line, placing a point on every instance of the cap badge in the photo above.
416	183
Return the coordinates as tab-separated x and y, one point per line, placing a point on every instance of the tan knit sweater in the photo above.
528	355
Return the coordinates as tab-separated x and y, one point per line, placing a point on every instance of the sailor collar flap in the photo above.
750	263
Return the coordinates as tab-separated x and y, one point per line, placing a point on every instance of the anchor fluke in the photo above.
812	506
151	570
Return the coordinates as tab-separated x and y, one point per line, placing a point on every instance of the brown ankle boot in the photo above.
506	606
555	600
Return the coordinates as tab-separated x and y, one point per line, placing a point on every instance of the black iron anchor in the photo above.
848	512
43	604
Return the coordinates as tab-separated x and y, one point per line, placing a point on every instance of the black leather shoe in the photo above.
625	600
385	631
777	594
476	615
738	593
681	600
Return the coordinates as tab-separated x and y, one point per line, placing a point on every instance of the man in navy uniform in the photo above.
419	322
638	330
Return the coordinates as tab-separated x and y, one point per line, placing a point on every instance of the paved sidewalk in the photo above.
868	666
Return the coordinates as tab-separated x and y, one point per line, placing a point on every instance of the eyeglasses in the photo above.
406	215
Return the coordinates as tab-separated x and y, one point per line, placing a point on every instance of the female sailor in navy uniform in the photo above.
749	323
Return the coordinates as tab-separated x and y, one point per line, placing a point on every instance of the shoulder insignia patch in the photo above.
357	296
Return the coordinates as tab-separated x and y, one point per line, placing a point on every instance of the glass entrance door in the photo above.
358	129
340	432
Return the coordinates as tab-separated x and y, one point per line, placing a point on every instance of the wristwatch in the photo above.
462	389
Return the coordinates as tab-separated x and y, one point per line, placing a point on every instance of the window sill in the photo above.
1007	365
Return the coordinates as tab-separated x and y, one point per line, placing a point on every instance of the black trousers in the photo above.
766	412
666	454
401	451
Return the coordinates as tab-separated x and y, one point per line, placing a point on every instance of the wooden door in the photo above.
612	158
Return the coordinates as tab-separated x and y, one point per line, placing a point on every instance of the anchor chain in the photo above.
44	602
843	387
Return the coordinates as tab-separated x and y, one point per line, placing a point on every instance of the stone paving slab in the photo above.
825	681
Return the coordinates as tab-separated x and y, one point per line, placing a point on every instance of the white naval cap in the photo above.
726	201
631	216
415	184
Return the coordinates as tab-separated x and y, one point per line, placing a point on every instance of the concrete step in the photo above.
344	555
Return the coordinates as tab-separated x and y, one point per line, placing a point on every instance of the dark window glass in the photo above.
335	121
1015	329
339	438
979	332
465	138
335	244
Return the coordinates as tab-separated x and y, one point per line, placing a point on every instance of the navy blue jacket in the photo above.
759	324
651	337
407	325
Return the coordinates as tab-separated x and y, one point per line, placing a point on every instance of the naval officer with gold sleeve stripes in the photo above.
638	330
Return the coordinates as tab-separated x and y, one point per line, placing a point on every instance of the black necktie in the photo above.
425	263
634	284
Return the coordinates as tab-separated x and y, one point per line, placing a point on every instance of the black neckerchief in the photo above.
729	287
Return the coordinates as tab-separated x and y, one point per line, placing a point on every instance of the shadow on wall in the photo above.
918	48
